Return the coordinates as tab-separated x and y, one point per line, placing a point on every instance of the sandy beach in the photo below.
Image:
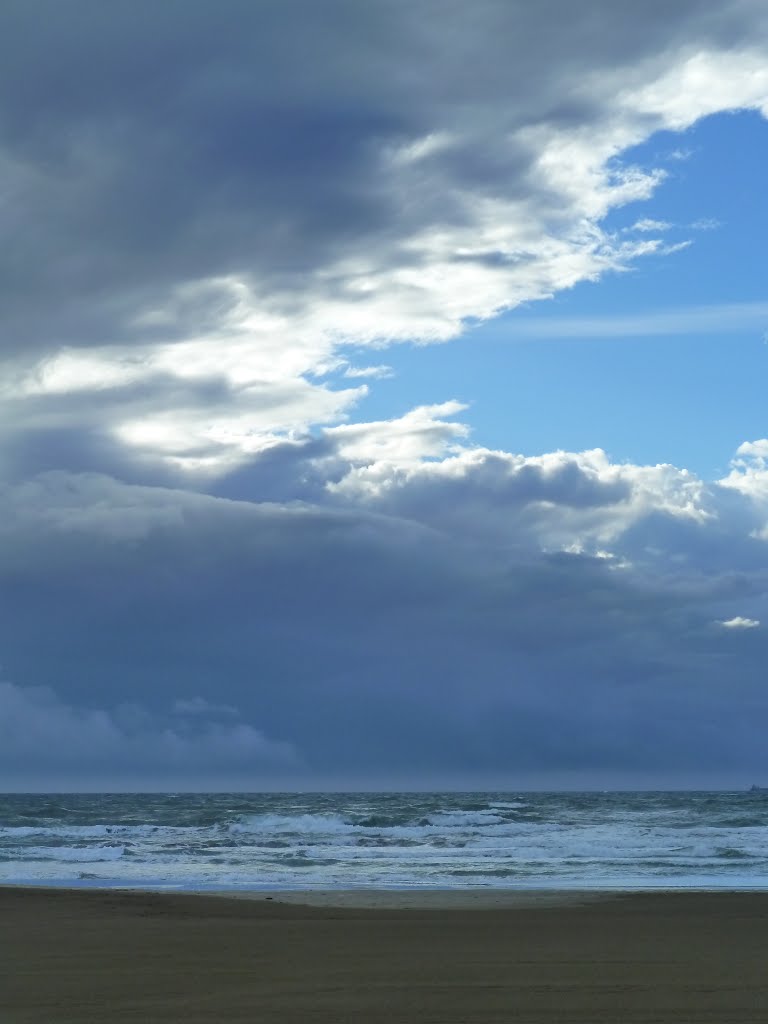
104	956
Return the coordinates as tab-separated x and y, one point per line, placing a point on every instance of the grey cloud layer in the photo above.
382	649
45	740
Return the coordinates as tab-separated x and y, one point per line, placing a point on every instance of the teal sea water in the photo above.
386	840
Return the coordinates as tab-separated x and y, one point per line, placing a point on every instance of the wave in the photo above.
334	824
77	854
465	819
297	824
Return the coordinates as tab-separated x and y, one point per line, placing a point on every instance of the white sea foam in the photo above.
72	853
465	819
293	824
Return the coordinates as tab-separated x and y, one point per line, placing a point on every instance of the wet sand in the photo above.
80	956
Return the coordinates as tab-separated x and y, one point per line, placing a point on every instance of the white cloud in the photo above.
649	224
757	450
422	433
560	501
713	319
378	372
749	471
702	84
739	622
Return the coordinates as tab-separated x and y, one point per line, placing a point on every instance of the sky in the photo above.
382	396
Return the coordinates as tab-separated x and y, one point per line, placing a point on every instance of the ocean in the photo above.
221	841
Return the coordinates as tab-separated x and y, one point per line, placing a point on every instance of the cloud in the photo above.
422	433
649	224
199	706
216	218
380	371
749	471
43	737
706	224
691	320
562	627
739	622
557	501
202	220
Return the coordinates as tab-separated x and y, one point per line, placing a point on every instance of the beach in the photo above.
77	956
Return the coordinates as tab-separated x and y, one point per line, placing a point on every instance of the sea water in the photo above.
210	841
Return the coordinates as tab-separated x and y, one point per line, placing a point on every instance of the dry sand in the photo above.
94	956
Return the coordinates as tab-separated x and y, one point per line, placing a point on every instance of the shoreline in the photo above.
361	898
365	898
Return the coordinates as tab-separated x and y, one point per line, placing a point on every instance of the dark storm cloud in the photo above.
290	471
150	144
375	647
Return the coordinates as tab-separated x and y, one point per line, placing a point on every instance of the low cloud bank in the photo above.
491	618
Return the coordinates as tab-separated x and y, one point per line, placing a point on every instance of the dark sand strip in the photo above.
109	957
